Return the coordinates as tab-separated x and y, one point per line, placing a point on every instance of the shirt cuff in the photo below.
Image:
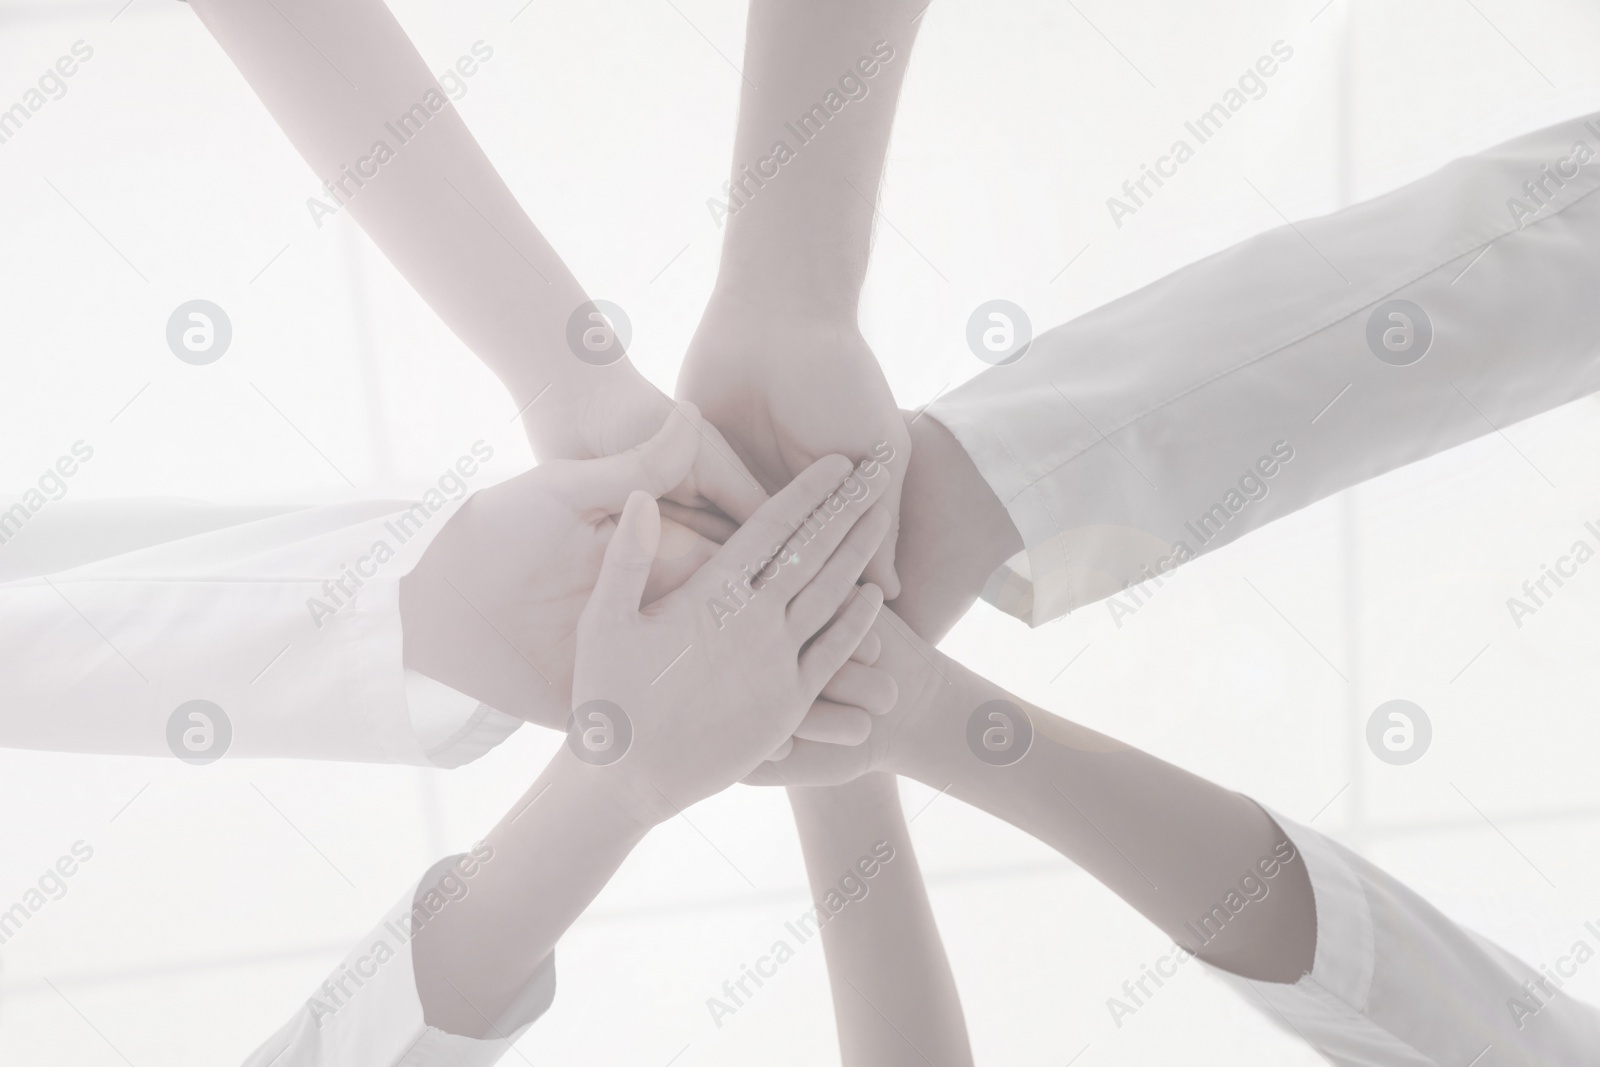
452	728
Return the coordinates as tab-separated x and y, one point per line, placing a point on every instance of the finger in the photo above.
882	570
629	556
655	467
814	763
790	538
712	525
783	750
720	476
873	691
837	724
820	536
868	651
815	604
680	554
773	522
832	648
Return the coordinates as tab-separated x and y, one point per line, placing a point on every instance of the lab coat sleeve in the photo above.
368	1012
1395	983
285	628
1276	373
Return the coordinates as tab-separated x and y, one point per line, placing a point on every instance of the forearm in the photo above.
822	83
887	954
893	992
552	854
360	105
1171	844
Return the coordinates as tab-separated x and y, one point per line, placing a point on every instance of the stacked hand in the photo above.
788	388
702	695
623	411
493	608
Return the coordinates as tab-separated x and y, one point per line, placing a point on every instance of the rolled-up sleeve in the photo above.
1395	983
368	1012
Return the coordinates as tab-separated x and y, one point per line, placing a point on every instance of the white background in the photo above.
206	917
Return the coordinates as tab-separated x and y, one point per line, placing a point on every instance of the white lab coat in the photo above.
1245	386
113	614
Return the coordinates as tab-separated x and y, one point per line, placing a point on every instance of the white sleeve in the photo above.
1289	367
368	1013
452	728
286	624
1395	983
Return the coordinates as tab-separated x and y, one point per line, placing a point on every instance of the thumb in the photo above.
656	466
626	568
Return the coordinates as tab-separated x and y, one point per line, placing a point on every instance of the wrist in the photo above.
928	742
592	412
785	292
841	808
612	808
760	330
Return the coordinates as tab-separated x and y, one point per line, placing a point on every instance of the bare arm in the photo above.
360	105
780	366
893	991
822	79
779	363
1171	844
553	852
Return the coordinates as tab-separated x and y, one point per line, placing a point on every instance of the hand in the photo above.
492	608
704	684
786	389
627	412
901	738
954	534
